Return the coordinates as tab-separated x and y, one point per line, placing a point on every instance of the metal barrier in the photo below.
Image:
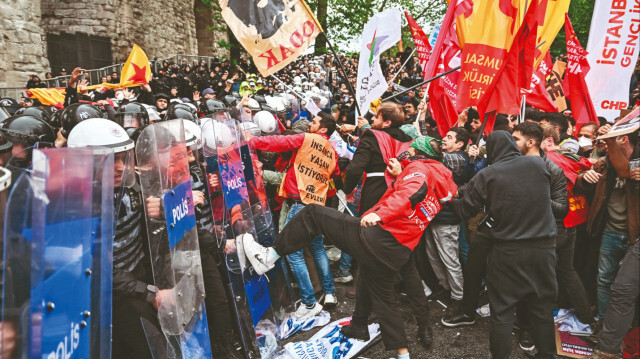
94	76
13	92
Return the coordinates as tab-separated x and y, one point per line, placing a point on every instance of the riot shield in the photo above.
57	266
281	291
161	155
257	300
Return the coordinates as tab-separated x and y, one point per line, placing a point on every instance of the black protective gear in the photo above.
77	113
27	130
211	105
35	112
132	115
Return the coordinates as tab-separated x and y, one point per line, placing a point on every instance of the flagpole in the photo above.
422	83
344	73
415	123
402	67
522	107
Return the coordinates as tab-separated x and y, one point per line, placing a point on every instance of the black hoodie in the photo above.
515	190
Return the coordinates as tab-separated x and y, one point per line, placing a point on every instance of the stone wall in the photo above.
22	44
162	28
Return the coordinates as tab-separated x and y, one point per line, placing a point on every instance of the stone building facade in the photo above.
45	35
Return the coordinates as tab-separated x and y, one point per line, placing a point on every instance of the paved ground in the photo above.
461	342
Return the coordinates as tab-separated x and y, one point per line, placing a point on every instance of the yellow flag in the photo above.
48	96
275	33
549	27
135	72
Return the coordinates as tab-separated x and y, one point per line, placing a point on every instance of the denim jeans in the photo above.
612	250
624	296
299	267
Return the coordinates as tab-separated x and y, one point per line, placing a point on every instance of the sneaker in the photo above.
355	331
260	257
342	276
456	319
304	313
525	341
330	301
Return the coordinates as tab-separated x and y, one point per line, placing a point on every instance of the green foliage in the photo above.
580	13
346	18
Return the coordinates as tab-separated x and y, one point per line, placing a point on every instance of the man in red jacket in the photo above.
308	181
387	235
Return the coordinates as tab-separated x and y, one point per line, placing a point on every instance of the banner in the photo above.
487	42
329	343
380	33
574	86
613	49
274	32
554	85
423	48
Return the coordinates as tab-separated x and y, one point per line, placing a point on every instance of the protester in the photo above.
389	232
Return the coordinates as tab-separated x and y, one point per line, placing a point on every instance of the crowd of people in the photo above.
540	215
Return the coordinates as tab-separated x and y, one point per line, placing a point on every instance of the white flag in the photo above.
380	33
613	52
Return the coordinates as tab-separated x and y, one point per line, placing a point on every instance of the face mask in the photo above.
584	142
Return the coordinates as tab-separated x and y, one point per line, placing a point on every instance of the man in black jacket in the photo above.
368	160
514	189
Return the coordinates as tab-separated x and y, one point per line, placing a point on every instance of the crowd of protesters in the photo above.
543	217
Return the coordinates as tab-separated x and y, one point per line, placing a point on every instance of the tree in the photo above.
580	13
345	19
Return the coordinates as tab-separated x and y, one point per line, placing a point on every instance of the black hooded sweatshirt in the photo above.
516	192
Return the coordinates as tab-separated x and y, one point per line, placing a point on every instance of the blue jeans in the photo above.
612	250
299	267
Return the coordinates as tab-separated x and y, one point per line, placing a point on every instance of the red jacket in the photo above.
413	199
286	144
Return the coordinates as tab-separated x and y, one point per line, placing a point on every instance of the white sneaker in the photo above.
260	257
330	300
304	313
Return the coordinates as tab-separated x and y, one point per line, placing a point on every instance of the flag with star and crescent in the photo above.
380	33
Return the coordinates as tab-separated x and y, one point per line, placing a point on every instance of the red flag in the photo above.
438	48
442	108
421	41
537	95
503	95
574	85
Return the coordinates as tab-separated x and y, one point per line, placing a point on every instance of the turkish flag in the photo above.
574	86
503	95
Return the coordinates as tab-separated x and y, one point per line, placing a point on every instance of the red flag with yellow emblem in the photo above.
487	41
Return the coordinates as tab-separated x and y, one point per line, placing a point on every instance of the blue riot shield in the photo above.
258	300
57	266
161	155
